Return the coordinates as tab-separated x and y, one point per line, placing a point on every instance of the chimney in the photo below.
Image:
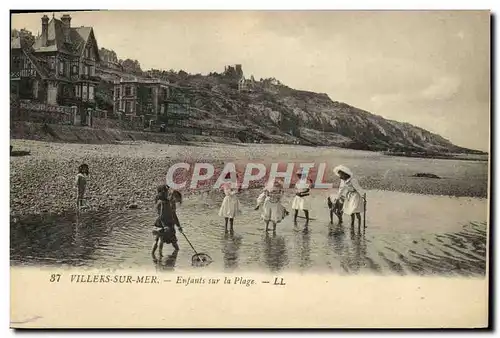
45	29
66	20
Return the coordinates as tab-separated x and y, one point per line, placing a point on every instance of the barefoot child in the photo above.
167	219
272	209
230	206
81	184
301	200
336	204
352	193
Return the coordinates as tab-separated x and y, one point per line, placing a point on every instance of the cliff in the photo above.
276	113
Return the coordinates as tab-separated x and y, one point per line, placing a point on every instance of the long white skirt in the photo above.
301	203
274	212
353	203
230	207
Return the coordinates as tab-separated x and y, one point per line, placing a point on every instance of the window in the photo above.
128	91
61	67
128	107
52	63
84	93
118	92
91	93
92	70
74	70
16	62
121	105
77	91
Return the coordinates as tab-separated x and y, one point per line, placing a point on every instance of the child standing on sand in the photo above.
301	200
167	219
230	206
352	193
272	209
81	184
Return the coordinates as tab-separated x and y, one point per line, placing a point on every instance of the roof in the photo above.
55	39
79	37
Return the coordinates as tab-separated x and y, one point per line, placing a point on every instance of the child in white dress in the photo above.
272	209
301	200
352	193
230	206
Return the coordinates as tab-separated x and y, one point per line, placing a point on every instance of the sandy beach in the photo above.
415	225
128	173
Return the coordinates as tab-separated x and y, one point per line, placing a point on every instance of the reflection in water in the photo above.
123	240
352	254
167	263
358	241
230	246
336	239
275	253
303	240
70	239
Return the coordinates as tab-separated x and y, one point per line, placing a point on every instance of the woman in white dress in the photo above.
351	192
230	206
301	200
272	209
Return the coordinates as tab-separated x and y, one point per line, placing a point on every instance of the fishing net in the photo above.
201	259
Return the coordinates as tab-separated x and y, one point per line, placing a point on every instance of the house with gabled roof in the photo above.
59	68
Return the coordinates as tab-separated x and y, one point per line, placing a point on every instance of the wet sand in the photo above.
417	235
43	181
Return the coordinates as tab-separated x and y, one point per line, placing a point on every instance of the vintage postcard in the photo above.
249	169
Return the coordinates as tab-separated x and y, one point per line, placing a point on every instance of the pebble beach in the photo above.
126	175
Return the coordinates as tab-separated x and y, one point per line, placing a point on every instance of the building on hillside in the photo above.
151	99
109	59
235	71
246	85
59	68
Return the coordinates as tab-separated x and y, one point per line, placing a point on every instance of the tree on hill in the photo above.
110	55
132	66
27	38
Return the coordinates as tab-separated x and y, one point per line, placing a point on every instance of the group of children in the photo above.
348	200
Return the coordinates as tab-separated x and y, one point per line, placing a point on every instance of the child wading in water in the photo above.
230	206
166	200
336	206
301	200
81	184
272	209
351	192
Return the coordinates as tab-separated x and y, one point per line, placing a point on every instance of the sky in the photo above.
430	69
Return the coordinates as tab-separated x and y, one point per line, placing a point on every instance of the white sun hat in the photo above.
342	168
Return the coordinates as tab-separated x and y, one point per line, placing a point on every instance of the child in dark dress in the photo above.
167	219
336	206
81	184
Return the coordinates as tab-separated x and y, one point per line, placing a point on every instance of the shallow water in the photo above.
423	235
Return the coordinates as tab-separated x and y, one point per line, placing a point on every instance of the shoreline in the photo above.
120	175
